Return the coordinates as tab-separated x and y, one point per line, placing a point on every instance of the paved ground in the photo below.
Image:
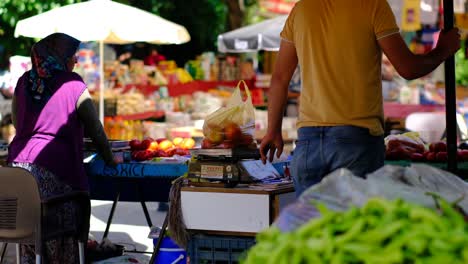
128	228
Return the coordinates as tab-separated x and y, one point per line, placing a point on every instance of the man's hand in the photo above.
271	142
449	42
412	66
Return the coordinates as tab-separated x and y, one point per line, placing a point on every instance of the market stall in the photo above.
104	21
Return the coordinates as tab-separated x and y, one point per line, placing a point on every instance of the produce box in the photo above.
97	167
154	180
218	249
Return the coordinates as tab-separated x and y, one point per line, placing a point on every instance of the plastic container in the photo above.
218	249
170	252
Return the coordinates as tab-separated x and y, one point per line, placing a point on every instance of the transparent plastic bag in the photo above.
337	191
232	125
414	182
341	189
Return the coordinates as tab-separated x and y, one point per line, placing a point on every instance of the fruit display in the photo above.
409	146
149	148
438	153
227	136
381	231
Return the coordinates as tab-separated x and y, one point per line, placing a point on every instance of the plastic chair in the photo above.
23	213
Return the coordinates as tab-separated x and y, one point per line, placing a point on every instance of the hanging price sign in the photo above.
411	15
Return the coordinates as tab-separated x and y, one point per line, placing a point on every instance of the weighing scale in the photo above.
215	167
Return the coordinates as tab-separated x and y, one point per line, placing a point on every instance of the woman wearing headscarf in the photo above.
51	109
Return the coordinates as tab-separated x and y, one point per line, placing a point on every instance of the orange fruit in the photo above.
232	132
177	141
165	145
188	143
153	146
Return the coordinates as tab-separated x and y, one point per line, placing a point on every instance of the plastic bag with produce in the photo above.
232	125
405	146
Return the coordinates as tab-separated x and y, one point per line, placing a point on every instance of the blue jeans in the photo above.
321	150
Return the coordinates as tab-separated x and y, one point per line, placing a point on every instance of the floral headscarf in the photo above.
47	56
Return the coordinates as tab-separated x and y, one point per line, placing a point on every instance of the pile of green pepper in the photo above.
380	232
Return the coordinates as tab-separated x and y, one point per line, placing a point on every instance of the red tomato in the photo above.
134	144
160	153
139	155
145	144
431	156
441	146
442	156
464	154
181	152
417	157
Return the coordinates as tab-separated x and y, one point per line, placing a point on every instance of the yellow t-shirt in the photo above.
340	58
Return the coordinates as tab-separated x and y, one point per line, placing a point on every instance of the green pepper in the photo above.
417	244
315	244
436	246
376	235
352	232
315	224
428	216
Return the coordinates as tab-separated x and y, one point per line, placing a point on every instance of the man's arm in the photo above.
285	65
411	66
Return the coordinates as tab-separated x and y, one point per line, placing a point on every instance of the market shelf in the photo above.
142	116
187	88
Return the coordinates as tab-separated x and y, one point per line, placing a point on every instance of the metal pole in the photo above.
101	81
450	95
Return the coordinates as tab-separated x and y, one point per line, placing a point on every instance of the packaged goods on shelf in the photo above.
204	104
131	103
185	132
262	80
178	118
117	128
229	68
155	129
194	68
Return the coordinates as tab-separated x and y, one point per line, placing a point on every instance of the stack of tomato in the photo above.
154	148
405	149
228	136
438	153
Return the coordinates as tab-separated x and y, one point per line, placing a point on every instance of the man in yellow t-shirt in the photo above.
339	45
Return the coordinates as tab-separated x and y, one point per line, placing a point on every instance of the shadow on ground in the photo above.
129	213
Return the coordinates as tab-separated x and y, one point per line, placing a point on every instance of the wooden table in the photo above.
241	211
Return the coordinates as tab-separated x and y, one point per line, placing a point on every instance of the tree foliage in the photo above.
11	11
204	20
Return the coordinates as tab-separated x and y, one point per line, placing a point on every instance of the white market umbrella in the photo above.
260	36
104	21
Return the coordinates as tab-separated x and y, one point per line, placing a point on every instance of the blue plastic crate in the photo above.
204	249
